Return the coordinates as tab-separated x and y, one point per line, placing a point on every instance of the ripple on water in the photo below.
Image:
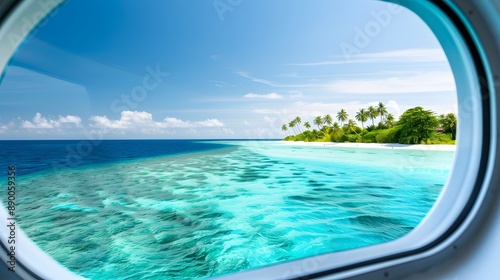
206	214
72	207
314	183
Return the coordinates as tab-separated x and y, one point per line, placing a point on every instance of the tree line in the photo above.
415	126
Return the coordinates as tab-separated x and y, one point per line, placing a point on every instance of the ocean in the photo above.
186	209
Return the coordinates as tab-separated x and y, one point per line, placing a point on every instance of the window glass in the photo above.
192	139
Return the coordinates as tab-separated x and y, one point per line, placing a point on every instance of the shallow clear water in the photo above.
209	213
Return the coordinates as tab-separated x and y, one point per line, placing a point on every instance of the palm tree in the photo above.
307	136
336	126
372	114
318	121
342	116
327	119
389	121
351	124
442	120
307	125
292	125
285	129
362	116
314	134
297	122
449	123
382	111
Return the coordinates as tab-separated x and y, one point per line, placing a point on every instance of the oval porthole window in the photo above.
195	139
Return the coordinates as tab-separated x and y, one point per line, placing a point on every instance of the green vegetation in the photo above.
415	126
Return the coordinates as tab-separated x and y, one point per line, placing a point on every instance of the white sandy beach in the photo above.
373	146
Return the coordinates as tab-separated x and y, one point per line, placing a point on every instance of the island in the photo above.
415	126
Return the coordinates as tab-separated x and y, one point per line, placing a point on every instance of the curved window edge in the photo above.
18	21
446	226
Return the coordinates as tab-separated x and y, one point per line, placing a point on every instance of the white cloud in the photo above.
272	95
227	131
295	94
128	120
274	84
422	82
70	119
3	129
220	83
208	123
396	56
265	111
310	110
263	133
269	120
253	79
173	122
408	55
136	117
8	128
386	83
143	122
393	108
40	122
104	122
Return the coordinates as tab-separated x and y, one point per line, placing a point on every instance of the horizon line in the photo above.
154	139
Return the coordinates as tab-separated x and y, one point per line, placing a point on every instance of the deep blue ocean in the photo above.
181	209
38	155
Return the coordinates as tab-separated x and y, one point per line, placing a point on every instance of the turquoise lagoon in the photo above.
208	213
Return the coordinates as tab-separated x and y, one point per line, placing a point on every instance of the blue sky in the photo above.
217	69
